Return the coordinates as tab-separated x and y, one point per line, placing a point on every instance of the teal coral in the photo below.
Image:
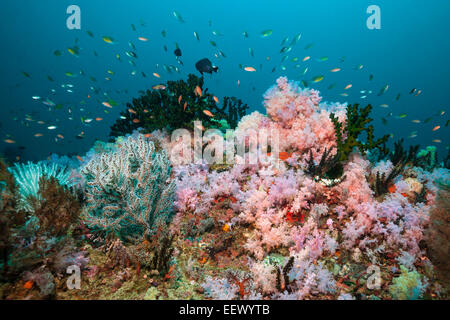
28	175
129	191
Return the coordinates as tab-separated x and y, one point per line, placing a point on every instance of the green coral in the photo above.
177	106
347	134
408	286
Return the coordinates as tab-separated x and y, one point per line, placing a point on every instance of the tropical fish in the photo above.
178	17
250	69
266	33
285	40
144	39
198	91
108	39
208	113
383	90
335	70
205	66
196	35
318	78
296	39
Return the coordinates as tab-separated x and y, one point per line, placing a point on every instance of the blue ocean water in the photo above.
410	50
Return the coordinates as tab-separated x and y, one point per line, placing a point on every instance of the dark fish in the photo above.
206	66
177	52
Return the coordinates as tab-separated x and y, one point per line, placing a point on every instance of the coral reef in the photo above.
335	216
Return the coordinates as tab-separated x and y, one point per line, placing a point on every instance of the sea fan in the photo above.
129	191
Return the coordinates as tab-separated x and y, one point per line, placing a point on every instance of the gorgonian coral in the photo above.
129	191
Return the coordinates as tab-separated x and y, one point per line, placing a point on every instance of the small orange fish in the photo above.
216	99
198	91
306	58
131	111
156	75
348	86
106	104
185	105
335	70
147	135
37	135
200	127
208	113
436	128
226	228
80	158
28	285
60	136
284	155
9	141
136	120
179	99
143	39
98	119
250	69
146	111
392	188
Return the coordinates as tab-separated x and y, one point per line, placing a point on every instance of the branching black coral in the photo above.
401	155
177	105
347	134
